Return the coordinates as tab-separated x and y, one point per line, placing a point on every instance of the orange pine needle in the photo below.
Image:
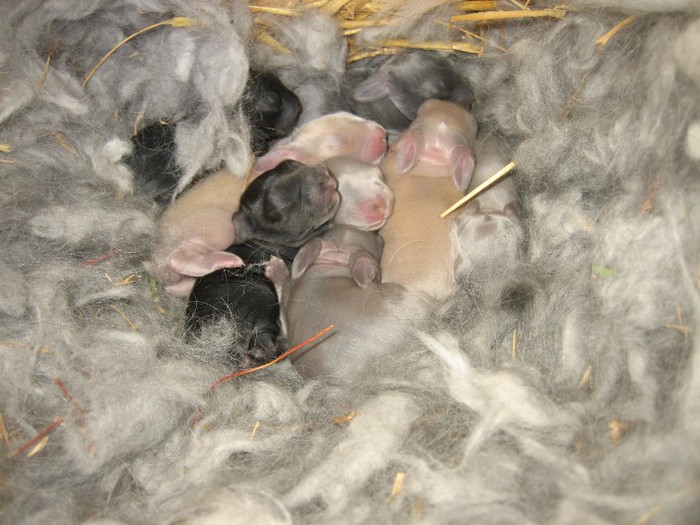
102	257
61	385
197	418
36	439
81	414
125	317
270	363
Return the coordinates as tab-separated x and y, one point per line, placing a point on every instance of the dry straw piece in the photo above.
125	317
61	140
4	434
490	16
493	179
397	486
603	40
354	16
178	21
346	418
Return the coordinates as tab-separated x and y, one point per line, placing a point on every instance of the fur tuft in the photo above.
559	386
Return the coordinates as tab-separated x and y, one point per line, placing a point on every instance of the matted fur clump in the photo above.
563	387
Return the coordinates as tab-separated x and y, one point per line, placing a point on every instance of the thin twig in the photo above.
481	187
487	16
36	439
69	396
101	258
4	434
270	363
603	40
178	21
125	317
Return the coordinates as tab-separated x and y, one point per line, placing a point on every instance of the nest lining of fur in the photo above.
560	390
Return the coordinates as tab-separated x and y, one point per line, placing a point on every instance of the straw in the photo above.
603	40
481	187
178	21
488	16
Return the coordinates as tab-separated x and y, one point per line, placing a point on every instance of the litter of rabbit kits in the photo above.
557	380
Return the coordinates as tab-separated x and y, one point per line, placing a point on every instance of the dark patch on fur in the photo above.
272	110
279	211
286	206
393	94
246	297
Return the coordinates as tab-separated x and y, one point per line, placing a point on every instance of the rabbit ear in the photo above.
407	149
407	102
277	272
306	257
372	88
276	156
328	145
194	262
462	166
364	268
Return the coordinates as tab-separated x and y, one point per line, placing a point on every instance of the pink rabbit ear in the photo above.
327	146
276	156
364	268
182	288
192	262
462	166
407	150
306	257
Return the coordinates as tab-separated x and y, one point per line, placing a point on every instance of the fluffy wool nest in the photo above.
561	388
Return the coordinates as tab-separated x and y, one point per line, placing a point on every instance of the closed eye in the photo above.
270	102
272	212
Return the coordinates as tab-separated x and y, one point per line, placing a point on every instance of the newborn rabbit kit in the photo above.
552	375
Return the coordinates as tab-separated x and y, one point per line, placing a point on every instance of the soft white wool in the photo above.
562	387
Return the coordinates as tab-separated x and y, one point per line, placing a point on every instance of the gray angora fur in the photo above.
562	387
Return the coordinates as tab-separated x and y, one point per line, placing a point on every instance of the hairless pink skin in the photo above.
197	227
428	169
438	143
339	134
366	201
195	230
350	147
